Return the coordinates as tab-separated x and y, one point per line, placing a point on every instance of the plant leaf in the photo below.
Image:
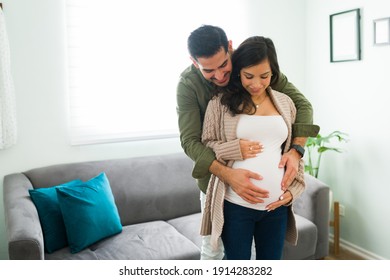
324	149
318	143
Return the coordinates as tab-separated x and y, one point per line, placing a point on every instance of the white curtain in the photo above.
8	132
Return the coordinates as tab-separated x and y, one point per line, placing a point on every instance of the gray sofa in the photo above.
159	209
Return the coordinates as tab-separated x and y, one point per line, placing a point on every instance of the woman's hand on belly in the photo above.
250	149
284	199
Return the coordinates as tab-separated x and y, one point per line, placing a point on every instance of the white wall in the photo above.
36	33
350	96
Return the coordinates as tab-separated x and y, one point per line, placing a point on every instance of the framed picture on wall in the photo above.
345	36
382	31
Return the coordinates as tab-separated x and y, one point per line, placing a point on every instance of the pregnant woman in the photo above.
249	111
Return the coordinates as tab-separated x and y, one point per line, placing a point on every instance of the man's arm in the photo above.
189	111
302	128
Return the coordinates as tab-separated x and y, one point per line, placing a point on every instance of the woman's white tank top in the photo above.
272	132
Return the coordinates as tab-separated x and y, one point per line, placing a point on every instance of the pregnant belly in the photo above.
267	167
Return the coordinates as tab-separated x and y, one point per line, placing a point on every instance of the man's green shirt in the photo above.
193	94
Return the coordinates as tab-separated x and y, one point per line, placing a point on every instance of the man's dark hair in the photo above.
206	41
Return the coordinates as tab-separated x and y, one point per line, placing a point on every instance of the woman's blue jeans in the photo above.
242	225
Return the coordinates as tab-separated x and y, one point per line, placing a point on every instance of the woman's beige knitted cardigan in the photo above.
219	133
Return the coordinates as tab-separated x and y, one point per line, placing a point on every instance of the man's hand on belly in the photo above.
290	160
239	180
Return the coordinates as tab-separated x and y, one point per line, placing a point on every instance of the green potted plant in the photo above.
316	146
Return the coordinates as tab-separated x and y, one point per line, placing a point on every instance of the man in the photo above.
210	52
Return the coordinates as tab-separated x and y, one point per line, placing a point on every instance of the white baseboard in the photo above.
367	255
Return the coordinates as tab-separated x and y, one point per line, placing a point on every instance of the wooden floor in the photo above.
343	255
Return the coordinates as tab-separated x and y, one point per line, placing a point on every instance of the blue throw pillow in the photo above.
89	212
52	223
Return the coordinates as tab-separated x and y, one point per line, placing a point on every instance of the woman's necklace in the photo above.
258	104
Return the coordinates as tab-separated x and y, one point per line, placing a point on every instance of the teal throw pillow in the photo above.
89	212
49	212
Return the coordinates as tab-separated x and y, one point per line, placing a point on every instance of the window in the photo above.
124	60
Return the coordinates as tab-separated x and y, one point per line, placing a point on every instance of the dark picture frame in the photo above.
345	41
382	31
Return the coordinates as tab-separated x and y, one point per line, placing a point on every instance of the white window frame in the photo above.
104	88
142	64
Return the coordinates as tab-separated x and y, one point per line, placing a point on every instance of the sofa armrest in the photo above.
25	238
313	205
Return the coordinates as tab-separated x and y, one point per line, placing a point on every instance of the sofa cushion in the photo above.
89	212
49	212
147	241
65	254
156	240
189	226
